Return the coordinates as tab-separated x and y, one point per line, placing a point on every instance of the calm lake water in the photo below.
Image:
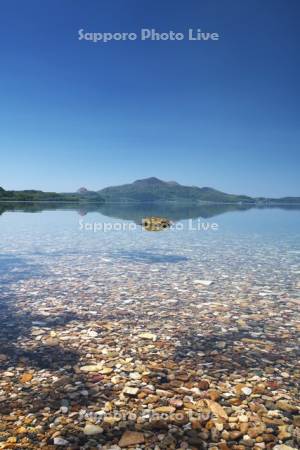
206	242
89	317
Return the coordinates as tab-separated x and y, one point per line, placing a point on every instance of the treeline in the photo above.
38	196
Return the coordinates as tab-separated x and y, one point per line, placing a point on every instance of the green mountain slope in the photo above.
143	191
153	189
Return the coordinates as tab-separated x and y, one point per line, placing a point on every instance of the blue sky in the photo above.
223	114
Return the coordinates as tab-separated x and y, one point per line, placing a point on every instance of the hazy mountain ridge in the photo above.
145	190
154	189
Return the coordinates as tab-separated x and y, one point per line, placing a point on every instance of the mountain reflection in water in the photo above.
137	211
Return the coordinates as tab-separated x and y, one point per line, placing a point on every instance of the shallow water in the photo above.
79	290
261	244
62	253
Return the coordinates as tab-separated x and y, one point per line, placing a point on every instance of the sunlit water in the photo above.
257	246
217	296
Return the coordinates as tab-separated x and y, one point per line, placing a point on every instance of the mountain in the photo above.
145	191
153	189
82	190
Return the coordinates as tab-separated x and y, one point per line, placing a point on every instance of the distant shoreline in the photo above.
148	191
153	202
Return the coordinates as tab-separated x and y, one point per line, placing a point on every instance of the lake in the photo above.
99	314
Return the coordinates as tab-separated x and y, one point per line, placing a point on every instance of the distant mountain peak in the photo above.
154	181
82	190
153	189
149	181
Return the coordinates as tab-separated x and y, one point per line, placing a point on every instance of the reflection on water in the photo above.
53	241
137	211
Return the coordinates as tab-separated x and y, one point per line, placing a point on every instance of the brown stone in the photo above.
296	421
203	385
286	406
268	437
130	438
259	388
244	427
62	382
284	435
26	377
217	409
165	409
235	435
223	446
255	431
213	394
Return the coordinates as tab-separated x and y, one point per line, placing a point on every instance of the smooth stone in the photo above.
107	370
296	421
203	385
60	441
130	438
286	406
243	419
26	377
132	391
90	429
149	336
135	376
165	409
246	390
91	368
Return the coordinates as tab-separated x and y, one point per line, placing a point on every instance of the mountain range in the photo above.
156	190
153	189
145	190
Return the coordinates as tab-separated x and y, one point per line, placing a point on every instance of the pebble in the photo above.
26	377
150	336
246	391
130	438
90	429
60	441
165	409
91	368
132	391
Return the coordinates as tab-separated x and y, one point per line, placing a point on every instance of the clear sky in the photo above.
223	114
